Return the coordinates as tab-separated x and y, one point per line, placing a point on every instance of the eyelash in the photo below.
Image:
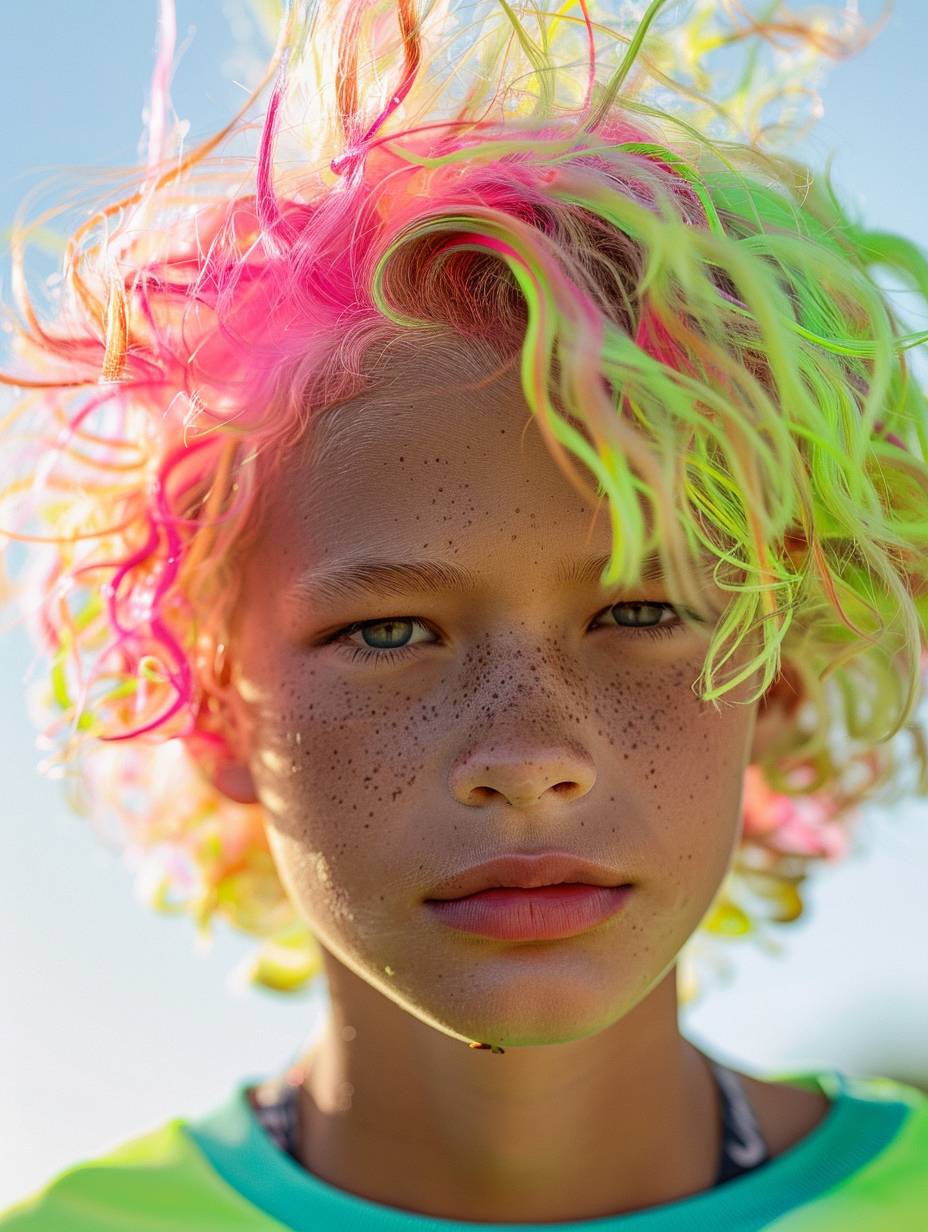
368	653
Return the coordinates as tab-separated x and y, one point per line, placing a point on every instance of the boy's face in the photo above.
521	716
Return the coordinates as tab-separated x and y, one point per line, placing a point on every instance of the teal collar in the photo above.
852	1132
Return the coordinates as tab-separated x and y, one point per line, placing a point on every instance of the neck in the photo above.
400	1113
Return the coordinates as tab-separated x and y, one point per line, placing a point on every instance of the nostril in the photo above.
484	793
562	787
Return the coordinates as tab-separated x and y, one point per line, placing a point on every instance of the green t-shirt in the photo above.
863	1168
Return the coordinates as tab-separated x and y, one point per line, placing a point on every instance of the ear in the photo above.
233	779
217	744
776	714
229	774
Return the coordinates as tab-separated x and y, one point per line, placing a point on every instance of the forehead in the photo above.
437	456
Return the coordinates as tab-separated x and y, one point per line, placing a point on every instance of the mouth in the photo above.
528	871
541	913
530	896
493	889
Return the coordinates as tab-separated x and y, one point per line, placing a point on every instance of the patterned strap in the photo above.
275	1106
743	1146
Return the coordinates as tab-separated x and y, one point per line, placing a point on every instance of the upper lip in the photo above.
527	871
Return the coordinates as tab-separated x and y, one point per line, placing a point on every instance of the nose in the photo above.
523	781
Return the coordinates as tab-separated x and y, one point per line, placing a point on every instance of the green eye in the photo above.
645	617
388	653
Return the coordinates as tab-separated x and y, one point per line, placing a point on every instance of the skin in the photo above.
523	716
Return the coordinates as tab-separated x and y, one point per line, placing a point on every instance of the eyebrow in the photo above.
354	579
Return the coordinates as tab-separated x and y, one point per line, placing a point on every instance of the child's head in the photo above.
635	395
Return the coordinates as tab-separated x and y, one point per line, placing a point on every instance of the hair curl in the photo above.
698	323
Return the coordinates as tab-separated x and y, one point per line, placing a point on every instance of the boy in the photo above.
481	728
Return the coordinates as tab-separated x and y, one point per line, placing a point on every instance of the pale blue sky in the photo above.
112	1021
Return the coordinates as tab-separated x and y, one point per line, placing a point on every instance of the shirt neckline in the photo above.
852	1131
742	1144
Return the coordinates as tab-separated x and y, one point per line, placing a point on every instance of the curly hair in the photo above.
698	324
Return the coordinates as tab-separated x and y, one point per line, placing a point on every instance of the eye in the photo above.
644	617
391	639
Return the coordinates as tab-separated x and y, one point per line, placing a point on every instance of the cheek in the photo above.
675	772
336	769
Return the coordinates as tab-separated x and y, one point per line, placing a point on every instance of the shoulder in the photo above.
904	1111
161	1173
878	1129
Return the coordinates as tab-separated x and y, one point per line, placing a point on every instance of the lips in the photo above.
527	870
547	913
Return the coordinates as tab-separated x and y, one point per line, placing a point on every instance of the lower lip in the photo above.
546	913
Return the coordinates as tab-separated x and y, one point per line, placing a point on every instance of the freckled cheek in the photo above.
338	769
713	825
678	764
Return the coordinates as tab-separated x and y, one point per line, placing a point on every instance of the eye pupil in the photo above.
390	626
637	609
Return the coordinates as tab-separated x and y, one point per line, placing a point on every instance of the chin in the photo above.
552	1006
